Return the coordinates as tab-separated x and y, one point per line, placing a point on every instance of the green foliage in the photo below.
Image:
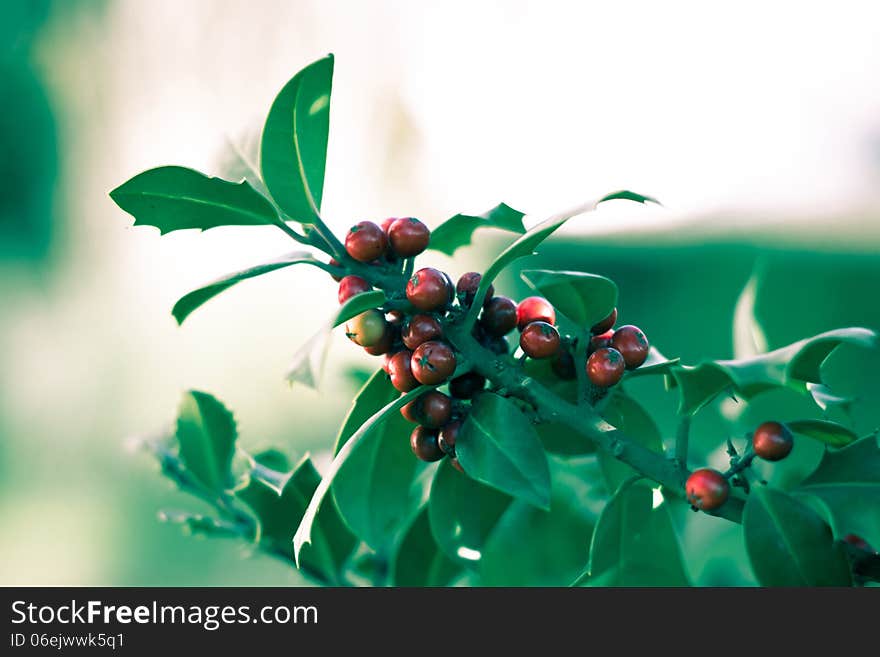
457	231
175	198
789	544
748	336
845	487
193	300
418	560
206	435
793	367
358	304
625	413
499	447
294	145
586	299
634	543
830	433
307	366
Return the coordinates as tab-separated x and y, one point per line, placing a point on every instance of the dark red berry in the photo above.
365	241
772	441
408	236
496	344
605	367
335	263
499	316
539	340
449	436
632	344
707	489
428	289
534	309
400	371
410	411
433	362
349	286
423	442
419	329
433	410
606	324
386	223
367	329
467	385
853	539
466	288
563	365
385	343
395	317
386	359
602	340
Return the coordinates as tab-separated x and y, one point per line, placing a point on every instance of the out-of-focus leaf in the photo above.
458	231
830	433
789	544
206	435
748	336
239	159
418	560
827	400
307	366
293	150
586	299
499	447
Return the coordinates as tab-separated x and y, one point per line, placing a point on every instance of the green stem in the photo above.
291	233
682	438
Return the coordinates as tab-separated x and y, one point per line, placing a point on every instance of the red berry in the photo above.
423	442
395	317
400	371
365	241
563	365
335	263
429	289
467	385
367	329
632	344
601	340
349	286
386	359
605	367
853	539
419	329
449	436
408	236
385	343
433	362
435	409
386	223
539	340
707	489
499	316
606	324
772	441
534	309
466	288
410	411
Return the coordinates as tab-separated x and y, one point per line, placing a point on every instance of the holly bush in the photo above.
528	461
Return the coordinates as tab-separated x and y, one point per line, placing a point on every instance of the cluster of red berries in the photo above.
707	489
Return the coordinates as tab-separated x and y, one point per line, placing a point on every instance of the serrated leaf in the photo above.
526	244
462	512
358	304
176	198
789	544
193	300
304	531
273	458
499	447
792	366
278	514
418	560
634	543
830	433
531	547
206	435
748	336
586	299
626	414
827	400
458	231
293	150
847	482
239	159
655	364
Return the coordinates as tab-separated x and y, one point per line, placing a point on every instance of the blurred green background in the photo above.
765	153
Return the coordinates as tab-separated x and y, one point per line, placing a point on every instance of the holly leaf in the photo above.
656	363
525	245
418	561
460	529
278	514
586	299
307	366
748	336
498	446
206	435
793	367
789	544
830	433
193	300
634	543
358	304
293	150
458	230
532	547
626	414
176	198
845	487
